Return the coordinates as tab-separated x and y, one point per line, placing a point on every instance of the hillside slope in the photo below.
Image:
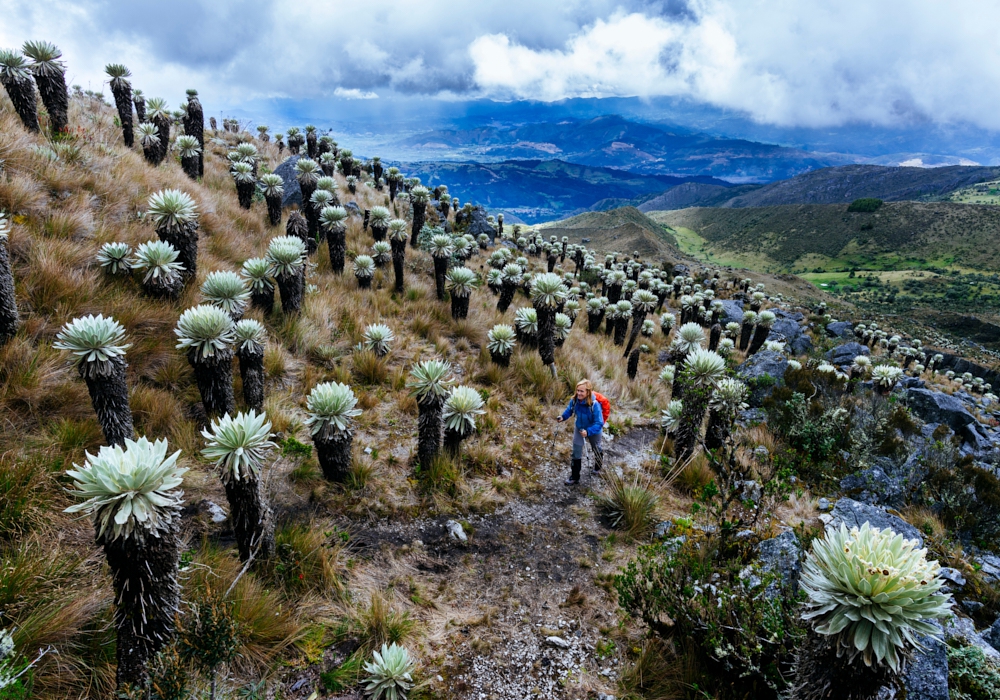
834	185
804	235
625	229
846	183
353	559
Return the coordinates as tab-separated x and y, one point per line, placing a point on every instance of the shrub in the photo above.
685	591
967	495
807	426
865	204
971	675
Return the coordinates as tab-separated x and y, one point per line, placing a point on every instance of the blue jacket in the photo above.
589	418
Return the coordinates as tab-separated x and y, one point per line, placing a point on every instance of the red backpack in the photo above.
605	405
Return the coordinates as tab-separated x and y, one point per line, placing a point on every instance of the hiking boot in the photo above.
574	477
598	462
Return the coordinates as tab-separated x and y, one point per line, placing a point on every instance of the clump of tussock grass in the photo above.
629	503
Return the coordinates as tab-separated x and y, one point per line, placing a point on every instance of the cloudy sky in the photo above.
790	63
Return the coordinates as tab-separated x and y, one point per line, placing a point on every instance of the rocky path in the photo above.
522	607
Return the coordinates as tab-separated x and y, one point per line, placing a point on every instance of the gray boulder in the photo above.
840	329
989	566
732	311
855	514
937	407
782	556
845	354
926	677
885	483
787	328
801	345
478	224
293	194
352	208
977	442
762	372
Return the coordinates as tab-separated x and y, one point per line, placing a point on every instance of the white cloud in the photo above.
354	94
788	63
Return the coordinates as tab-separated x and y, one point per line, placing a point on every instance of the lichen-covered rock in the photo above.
762	372
293	193
926	677
840	329
937	407
885	483
782	556
787	328
478	224
962	630
845	354
732	311
855	514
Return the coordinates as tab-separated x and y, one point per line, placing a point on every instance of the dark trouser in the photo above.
578	447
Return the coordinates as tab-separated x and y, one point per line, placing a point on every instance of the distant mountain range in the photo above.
533	191
612	141
837	185
541	190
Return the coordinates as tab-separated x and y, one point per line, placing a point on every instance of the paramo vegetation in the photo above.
215	408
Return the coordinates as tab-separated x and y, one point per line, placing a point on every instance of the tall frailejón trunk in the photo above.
419	217
123	101
22	95
273	209
334	455
336	241
546	333
144	577
251	517
428	429
440	270
55	97
9	318
252	375
292	288
194	125
109	396
186	242
398	260
507	291
214	376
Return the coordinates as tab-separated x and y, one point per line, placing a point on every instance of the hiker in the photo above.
589	426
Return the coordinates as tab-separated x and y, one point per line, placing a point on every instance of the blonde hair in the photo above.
585	383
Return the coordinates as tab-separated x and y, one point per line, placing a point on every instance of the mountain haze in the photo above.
615	142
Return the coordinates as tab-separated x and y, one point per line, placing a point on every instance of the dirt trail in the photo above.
530	571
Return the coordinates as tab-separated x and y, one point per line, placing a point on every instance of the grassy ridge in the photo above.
625	229
806	236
